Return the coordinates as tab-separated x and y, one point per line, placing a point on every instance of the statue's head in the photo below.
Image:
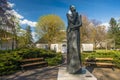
72	8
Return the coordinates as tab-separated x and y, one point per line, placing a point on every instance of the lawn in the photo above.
103	54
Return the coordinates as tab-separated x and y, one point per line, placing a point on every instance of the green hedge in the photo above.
55	60
9	60
102	54
9	63
117	59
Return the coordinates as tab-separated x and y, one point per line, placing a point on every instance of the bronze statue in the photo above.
73	41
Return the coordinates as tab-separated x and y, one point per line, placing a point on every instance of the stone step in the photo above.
84	75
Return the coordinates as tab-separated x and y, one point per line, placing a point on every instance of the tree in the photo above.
96	22
92	31
112	29
7	23
84	30
28	36
88	31
100	35
112	22
15	28
50	28
114	32
116	35
21	38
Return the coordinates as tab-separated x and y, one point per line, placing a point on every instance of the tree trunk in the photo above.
13	39
49	44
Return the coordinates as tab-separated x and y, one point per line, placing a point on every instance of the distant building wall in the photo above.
6	45
87	47
58	47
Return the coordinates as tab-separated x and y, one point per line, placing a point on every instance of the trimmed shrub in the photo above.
9	60
9	63
110	54
117	59
55	60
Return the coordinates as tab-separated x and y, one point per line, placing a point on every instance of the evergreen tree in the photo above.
114	32
112	22
29	39
113	26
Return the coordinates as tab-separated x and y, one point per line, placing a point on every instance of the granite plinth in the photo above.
83	75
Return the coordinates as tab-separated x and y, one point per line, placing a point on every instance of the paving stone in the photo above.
85	75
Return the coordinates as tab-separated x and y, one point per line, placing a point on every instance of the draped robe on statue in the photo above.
73	43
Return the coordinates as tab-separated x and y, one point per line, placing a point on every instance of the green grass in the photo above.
103	54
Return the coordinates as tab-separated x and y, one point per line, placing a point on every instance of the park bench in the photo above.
31	62
99	61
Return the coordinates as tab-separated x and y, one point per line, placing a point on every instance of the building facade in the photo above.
6	26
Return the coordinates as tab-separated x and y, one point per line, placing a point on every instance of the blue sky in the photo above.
31	10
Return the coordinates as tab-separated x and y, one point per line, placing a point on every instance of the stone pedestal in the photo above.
83	75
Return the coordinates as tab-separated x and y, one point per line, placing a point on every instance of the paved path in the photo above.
102	73
107	73
51	73
46	73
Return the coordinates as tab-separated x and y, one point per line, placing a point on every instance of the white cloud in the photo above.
28	22
10	4
22	20
106	24
22	30
13	12
16	14
34	35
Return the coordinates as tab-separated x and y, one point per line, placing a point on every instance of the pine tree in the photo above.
114	32
29	39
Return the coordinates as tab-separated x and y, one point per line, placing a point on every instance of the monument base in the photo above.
83	75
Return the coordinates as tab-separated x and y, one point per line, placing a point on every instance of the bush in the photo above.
117	59
9	63
55	60
9	60
33	53
102	54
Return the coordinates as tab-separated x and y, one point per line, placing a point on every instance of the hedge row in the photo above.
9	60
110	54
